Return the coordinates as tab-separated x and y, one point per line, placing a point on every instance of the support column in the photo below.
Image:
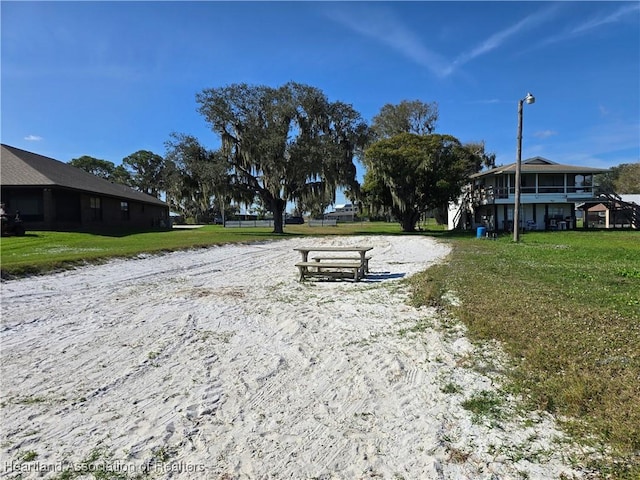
48	207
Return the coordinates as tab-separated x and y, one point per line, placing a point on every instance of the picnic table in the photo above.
335	261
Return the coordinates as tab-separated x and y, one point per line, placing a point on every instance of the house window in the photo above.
503	187
551	183
95	206
29	204
528	183
124	210
556	212
580	183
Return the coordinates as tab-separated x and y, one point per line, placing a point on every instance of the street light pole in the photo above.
516	208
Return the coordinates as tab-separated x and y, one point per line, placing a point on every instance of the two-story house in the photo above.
343	213
549	193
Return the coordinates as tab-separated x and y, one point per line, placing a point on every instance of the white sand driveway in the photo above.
217	363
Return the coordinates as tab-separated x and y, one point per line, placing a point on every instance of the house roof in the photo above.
538	165
598	202
630	198
20	168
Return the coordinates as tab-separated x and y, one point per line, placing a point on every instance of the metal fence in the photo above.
248	223
329	222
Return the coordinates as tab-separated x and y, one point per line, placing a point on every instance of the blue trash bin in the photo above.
481	232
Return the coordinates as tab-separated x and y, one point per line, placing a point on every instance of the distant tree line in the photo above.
623	179
291	144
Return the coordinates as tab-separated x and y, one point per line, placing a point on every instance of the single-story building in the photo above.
53	195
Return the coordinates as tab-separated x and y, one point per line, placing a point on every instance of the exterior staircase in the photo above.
628	212
464	208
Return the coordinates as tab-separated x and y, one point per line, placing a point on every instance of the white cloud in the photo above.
604	111
33	138
618	15
382	26
602	145
489	101
498	39
545	133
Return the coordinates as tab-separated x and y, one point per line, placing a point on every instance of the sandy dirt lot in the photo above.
218	363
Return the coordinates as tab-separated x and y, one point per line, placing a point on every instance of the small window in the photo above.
95	206
124	210
556	212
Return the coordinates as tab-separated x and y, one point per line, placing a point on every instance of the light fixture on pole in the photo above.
516	208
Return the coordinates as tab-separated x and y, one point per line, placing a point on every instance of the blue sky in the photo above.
107	79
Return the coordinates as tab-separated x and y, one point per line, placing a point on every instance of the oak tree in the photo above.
409	116
284	144
410	174
148	171
197	183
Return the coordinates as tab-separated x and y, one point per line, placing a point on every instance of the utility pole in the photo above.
516	207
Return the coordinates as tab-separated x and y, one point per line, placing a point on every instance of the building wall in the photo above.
533	216
28	201
342	216
343	213
122	213
60	209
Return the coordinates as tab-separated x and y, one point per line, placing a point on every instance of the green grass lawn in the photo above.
564	305
566	308
40	251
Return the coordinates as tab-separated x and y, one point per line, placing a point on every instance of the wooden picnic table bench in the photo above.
353	259
357	265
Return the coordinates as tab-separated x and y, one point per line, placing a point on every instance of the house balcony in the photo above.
539	194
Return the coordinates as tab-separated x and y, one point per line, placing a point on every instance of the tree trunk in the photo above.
408	225
408	221
277	208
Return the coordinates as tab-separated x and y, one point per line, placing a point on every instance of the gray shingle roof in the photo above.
539	165
26	169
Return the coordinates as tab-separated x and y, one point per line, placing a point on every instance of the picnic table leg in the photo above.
302	273
303	270
364	263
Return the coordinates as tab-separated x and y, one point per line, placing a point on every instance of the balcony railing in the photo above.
489	194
